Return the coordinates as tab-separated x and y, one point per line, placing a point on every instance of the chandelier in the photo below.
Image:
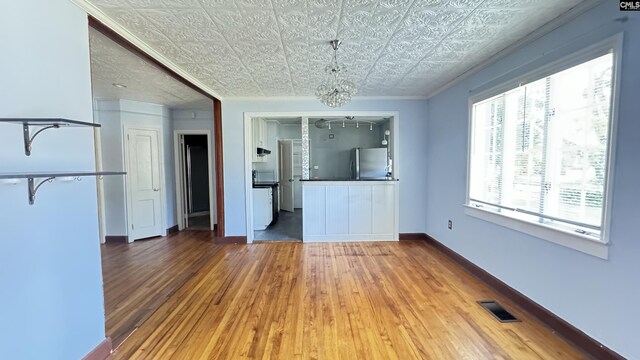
335	91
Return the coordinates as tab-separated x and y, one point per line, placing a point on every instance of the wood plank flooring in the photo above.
392	300
139	277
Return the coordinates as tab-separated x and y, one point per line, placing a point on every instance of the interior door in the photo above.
286	175
144	184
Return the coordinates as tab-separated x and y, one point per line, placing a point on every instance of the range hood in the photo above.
263	151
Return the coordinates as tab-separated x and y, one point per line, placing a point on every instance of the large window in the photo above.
539	151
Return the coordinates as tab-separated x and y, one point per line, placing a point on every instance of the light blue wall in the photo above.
413	130
599	297
113	115
51	305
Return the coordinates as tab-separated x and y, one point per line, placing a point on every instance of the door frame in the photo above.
98	22
178	161
279	171
102	222
248	152
127	185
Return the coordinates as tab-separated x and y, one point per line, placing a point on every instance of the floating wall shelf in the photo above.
44	123
50	176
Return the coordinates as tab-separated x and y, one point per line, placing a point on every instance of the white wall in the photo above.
184	119
290	131
412	137
50	274
113	115
600	297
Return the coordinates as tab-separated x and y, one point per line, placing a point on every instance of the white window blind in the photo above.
539	151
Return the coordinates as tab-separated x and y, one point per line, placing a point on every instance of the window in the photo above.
539	151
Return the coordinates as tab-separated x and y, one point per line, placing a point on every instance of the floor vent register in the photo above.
498	311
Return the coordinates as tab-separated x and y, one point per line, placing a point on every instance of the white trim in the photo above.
126	127
179	179
598	248
248	140
248	181
612	146
102	223
106	20
574	241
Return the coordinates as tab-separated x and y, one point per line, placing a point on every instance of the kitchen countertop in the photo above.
348	179
265	183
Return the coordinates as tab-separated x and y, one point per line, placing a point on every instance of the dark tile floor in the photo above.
288	227
199	223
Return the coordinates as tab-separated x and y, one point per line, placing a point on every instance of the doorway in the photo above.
276	187
195	182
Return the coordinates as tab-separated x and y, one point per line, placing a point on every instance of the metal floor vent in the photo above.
498	311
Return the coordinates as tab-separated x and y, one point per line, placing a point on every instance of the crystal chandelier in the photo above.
335	91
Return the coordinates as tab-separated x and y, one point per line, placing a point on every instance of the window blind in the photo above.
540	149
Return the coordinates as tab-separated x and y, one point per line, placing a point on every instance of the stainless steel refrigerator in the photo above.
369	163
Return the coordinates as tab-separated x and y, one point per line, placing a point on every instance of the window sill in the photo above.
577	242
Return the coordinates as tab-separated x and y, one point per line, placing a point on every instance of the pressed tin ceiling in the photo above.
280	47
112	64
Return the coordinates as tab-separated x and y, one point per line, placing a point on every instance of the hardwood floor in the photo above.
392	300
139	277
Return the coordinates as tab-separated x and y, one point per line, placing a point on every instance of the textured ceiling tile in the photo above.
252	18
111	3
359	3
433	17
218	4
359	17
323	3
254	47
264	4
192	18
178	4
395	4
145	4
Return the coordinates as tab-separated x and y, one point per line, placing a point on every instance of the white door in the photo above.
286	175
144	184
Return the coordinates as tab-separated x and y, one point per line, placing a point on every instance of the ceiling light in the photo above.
335	91
371	126
119	86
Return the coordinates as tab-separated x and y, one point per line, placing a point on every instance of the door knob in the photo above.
156	189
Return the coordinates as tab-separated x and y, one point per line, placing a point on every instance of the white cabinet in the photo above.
349	211
262	208
259	138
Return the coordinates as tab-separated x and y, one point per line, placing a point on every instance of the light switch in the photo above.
316	167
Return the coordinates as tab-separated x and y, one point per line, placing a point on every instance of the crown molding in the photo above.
542	31
107	21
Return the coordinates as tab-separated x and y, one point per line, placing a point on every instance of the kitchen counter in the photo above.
350	210
265	184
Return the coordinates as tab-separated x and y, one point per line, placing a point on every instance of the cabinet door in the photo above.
255	127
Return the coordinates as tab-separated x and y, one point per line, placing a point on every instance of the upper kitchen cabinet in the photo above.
260	151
